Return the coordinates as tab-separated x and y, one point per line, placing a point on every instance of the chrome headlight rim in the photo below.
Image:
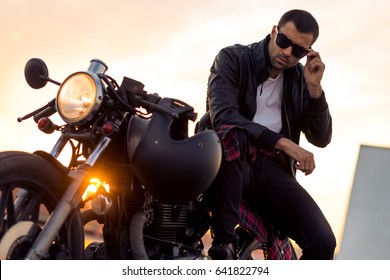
90	113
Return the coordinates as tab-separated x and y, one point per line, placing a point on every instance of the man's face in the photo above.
282	55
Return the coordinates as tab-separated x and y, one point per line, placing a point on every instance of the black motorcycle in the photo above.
133	169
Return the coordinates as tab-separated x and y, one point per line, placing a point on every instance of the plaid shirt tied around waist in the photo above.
231	149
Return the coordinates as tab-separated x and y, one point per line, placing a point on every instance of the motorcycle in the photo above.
133	169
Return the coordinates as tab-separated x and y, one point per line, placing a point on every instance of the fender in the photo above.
53	161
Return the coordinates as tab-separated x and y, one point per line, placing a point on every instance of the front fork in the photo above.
70	200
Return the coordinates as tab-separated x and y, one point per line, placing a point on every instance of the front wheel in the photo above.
30	188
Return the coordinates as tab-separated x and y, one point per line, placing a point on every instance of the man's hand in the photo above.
313	72
304	159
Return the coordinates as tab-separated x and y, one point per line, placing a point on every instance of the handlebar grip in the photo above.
45	113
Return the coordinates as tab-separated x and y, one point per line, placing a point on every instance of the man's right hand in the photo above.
304	159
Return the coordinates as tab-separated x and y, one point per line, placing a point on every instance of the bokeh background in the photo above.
169	46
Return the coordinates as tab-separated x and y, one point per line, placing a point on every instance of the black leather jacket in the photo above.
231	98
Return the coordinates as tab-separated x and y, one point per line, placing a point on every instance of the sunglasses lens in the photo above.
282	41
298	51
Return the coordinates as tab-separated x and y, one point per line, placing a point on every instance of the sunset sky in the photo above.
169	46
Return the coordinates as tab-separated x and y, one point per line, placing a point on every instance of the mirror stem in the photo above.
50	80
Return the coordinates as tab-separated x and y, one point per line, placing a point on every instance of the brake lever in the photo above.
45	111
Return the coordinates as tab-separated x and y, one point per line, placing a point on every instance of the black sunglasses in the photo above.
283	42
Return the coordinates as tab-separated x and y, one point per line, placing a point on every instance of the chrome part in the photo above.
97	66
137	243
101	204
103	144
69	201
59	146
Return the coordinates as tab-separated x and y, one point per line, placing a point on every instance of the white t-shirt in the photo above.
269	103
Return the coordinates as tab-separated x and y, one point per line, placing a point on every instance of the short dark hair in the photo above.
303	21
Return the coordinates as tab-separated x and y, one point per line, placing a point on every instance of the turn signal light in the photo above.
109	128
46	125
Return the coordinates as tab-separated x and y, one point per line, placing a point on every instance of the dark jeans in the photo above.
276	196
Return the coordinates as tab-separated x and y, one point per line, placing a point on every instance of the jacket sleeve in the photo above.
225	103
318	122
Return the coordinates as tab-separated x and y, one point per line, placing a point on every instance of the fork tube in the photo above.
57	149
21	197
70	201
91	160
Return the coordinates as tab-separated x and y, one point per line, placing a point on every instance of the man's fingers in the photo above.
307	166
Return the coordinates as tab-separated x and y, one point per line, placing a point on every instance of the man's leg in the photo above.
225	195
287	205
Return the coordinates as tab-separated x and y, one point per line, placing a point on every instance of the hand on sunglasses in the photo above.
313	72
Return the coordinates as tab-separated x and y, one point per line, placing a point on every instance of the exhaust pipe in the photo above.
137	236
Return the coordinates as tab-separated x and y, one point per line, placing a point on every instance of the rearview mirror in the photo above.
36	73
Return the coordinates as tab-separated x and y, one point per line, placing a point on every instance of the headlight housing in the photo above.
79	98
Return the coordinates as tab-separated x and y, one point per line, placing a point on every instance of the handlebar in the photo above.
153	102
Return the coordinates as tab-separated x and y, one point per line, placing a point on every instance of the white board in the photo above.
367	228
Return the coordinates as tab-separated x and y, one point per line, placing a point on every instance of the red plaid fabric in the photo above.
277	249
230	145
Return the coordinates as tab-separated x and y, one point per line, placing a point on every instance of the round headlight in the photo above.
79	97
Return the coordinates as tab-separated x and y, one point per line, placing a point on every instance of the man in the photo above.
259	100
